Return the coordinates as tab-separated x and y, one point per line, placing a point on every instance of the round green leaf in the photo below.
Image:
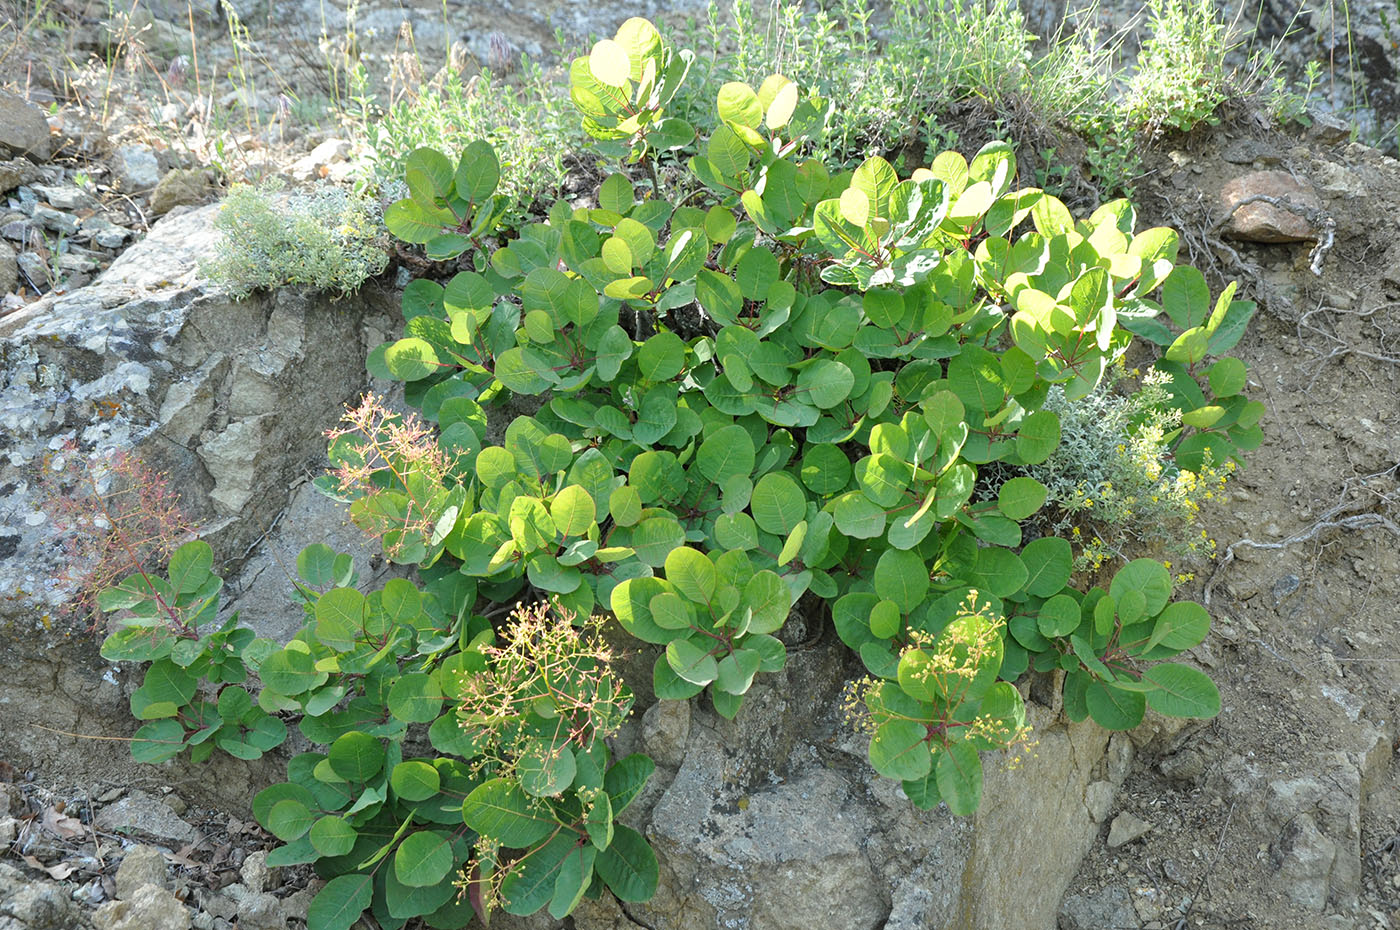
415	781
825	383
903	577
1148	576
1038	436
1021	497
333	836
1059	616
546	769
885	620
692	662
899	749
1114	708
1049	560
424	858
501	810
411	359
825	468
573	511
415	698
726	453
628	866
289	820
356	756
778	504
661	357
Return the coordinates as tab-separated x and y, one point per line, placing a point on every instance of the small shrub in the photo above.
114	515
327	238
1113	475
1182	75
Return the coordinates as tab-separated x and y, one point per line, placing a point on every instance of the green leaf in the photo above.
726	453
411	359
615	195
825	469
770	601
341	902
415	781
501	810
899	749
626	779
478	172
1180	626
739	104
340	618
692	662
190	566
573	511
778	503
316	565
1148	576
737	671
1059	616
1114	708
1182	691
959	777
1018	498
333	836
903	577
415	698
289	819
628	866
575	875
546	768
885	620
356	756
1038	436
423	858
692	573
609	63
158	741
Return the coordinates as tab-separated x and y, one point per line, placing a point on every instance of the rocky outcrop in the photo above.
229	398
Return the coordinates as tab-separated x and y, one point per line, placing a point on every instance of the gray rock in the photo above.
9	269
136	168
1098	799
181	187
665	729
1185	765
255	873
15	172
145	815
1305	860
9	830
65	196
55	220
257	910
142	865
1109	907
26	904
1285	588
23	129
150	907
34	269
1125	828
